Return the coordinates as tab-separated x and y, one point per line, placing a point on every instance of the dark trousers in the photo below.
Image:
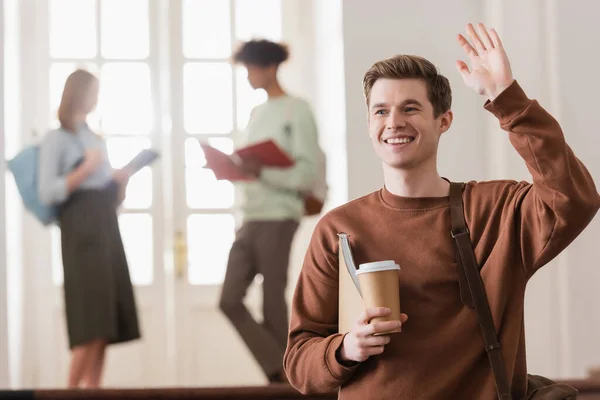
260	247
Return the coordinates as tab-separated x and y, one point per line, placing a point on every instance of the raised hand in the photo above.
490	71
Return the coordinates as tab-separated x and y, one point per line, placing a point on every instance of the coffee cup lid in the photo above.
377	266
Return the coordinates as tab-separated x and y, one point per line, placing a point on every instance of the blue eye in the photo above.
380	112
410	109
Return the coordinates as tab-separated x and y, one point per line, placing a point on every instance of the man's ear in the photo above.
445	121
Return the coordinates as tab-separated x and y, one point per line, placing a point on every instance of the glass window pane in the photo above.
209	240
207	98
258	19
125	104
247	98
136	231
205	191
206	29
202	188
122	150
139	189
125	30
59	72
194	156
72	28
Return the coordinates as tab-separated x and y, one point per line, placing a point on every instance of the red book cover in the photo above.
224	166
268	152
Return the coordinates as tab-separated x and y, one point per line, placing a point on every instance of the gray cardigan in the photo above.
60	151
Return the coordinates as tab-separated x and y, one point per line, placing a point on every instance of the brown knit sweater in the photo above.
516	228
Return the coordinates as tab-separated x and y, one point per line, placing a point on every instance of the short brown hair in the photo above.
404	66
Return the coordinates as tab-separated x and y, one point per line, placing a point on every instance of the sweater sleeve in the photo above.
305	144
562	200
310	359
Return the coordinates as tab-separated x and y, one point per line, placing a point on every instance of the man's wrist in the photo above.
342	358
493	93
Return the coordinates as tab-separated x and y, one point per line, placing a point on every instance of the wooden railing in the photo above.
589	390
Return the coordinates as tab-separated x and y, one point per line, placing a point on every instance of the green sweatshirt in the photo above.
289	122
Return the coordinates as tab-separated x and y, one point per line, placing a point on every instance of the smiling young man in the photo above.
516	228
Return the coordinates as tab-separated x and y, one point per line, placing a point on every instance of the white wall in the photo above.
578	86
379	29
4	377
553	49
330	94
17	317
316	71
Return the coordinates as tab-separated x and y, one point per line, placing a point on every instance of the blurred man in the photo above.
273	206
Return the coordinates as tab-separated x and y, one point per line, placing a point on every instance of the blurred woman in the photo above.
75	174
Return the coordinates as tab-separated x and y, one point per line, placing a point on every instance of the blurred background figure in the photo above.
75	174
273	206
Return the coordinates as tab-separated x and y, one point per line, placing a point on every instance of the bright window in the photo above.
211	101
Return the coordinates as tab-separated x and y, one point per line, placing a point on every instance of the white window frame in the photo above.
166	61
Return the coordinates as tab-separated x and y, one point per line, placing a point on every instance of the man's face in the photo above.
260	77
402	126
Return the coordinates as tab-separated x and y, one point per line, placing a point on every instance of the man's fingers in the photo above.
373	312
463	70
374	341
475	38
379	327
403	318
462	66
495	38
464	43
373	351
485	37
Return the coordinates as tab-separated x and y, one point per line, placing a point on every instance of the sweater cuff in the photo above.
336	369
509	104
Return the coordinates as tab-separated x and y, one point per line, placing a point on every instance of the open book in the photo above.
227	166
142	159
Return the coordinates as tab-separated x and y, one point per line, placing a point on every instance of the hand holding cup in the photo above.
367	338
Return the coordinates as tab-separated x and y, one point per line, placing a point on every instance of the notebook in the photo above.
226	167
142	159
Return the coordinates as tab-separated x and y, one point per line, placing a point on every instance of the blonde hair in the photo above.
74	97
405	66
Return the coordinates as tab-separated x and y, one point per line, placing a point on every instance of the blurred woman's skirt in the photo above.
99	299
